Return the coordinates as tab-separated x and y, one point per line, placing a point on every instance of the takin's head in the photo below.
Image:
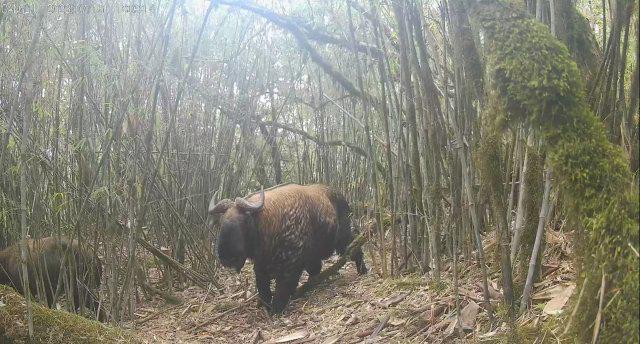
238	231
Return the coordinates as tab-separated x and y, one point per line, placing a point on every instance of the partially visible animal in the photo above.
284	231
47	258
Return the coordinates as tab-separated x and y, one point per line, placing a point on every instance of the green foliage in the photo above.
539	84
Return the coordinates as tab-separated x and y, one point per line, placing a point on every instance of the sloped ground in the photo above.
359	309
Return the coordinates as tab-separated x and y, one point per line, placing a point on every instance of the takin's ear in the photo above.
220	207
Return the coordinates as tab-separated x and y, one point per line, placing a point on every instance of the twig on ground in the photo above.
212	320
191	275
154	315
380	327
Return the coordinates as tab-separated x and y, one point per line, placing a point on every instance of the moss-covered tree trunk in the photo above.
51	326
536	81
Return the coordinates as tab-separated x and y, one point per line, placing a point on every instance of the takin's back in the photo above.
295	205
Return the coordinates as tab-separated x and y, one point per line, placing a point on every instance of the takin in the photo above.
46	258
284	231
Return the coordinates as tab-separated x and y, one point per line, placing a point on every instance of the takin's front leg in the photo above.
286	284
263	284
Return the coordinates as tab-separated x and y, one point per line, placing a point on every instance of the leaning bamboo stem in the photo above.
575	308
596	327
521	211
544	208
466	182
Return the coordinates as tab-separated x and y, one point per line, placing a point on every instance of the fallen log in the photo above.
51	326
333	269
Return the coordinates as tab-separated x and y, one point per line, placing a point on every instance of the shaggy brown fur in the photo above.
295	229
46	258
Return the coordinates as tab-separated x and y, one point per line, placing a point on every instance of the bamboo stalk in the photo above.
544	208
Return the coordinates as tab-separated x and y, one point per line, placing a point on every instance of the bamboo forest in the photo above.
319	171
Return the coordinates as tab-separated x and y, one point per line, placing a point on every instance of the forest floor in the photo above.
361	309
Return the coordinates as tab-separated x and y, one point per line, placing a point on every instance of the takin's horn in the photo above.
220	207
251	207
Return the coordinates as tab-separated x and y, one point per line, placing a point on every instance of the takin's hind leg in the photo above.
358	257
313	267
286	284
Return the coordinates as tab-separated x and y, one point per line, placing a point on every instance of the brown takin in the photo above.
284	231
47	258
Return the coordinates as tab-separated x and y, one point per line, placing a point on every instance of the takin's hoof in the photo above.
262	303
276	310
362	269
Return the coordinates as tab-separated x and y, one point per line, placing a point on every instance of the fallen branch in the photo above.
189	274
380	327
167	296
214	319
149	289
154	315
333	269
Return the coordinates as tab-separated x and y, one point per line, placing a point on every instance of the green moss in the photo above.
409	282
575	31
542	334
538	84
51	326
438	286
534	189
490	163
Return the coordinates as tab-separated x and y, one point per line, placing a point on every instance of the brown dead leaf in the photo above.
553	291
439	326
397	322
451	328
470	294
556	304
290	337
434	313
366	332
494	284
332	340
468	316
305	340
392	301
256	337
352	320
494	294
488	335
